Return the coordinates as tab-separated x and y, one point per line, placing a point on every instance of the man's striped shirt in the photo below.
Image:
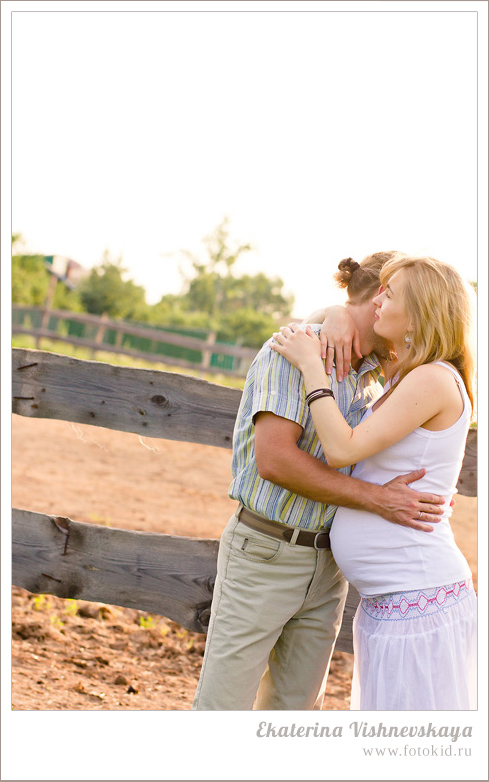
274	385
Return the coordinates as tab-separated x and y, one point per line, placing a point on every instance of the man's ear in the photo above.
381	290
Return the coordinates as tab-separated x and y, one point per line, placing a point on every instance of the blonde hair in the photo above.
440	305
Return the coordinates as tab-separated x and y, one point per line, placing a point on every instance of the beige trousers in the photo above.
276	612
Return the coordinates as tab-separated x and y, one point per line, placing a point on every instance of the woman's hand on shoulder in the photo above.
339	336
301	348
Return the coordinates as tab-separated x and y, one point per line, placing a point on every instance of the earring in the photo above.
407	340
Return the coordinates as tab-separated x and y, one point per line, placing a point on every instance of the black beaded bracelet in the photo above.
318	394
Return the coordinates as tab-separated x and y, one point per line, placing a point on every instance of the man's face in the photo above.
370	342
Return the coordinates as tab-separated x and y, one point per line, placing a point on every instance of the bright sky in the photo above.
320	134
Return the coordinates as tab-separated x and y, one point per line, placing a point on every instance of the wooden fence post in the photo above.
208	349
100	333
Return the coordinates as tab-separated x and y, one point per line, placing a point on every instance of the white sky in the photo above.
320	134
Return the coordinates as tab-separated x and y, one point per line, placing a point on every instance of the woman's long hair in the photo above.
440	305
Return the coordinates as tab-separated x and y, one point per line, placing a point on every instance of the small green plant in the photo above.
147	622
184	634
71	607
56	621
96	519
41	603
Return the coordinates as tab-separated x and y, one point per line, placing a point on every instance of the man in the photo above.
279	596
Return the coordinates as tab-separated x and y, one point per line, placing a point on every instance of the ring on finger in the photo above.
330	346
420	514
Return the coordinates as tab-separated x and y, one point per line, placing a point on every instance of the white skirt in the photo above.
416	650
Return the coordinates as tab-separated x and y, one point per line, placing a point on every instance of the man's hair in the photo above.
362	280
441	305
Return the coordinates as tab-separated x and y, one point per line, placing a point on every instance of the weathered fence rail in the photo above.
210	355
163	574
145	401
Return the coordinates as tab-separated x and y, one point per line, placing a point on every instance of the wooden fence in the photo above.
113	336
168	575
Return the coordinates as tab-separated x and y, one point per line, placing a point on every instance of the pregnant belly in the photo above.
377	556
371	551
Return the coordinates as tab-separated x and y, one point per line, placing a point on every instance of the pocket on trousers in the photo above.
259	549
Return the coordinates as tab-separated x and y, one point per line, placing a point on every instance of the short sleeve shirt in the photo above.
274	385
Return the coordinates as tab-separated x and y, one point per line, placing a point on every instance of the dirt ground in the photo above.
75	655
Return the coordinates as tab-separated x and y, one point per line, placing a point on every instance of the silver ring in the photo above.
330	346
420	514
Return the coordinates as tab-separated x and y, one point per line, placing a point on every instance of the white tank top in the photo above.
378	556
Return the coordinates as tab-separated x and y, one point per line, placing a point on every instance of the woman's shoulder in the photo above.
433	378
435	371
435	375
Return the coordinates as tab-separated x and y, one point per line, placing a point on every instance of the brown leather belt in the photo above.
275	529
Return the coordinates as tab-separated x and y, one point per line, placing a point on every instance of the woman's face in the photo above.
391	319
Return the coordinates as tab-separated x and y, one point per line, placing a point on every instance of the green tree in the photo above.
245	307
31	278
170	311
106	291
258	292
209	282
66	298
247	327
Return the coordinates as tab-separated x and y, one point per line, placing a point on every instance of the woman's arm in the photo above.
280	460
417	399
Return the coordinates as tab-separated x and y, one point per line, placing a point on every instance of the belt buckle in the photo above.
323	532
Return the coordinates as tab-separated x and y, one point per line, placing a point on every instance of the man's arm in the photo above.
281	461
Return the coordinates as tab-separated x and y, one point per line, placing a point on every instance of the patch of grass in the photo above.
96	519
147	622
41	603
71	607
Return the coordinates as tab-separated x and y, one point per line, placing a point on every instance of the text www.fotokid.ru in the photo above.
408	751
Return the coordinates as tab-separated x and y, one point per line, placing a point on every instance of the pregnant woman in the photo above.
415	628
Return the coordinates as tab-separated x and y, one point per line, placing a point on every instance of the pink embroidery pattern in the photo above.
406	605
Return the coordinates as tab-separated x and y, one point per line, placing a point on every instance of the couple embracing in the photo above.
339	480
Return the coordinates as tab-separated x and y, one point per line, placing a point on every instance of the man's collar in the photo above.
371	364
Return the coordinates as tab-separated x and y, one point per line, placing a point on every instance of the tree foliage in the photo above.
242	308
31	280
105	291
